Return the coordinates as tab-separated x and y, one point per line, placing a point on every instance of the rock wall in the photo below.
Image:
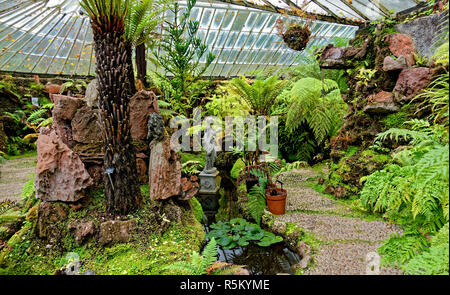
384	74
70	157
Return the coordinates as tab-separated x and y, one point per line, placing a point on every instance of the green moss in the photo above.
149	258
200	157
197	209
145	191
148	253
237	167
395	120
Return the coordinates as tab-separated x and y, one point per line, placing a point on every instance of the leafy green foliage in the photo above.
318	104
223	102
400	249
435	97
237	167
74	86
199	264
433	261
413	190
441	56
183	53
257	202
417	184
259	96
239	232
142	19
191	167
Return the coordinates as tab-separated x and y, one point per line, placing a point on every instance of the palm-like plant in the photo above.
142	18
259	96
108	25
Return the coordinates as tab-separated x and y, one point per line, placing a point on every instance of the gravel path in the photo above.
14	174
344	241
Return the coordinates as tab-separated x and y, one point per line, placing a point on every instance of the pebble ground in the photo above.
343	240
14	174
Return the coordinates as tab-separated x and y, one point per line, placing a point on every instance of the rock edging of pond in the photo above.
292	237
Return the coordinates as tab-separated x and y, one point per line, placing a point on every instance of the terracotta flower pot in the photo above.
276	203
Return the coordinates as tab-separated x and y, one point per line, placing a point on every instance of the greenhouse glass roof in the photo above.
53	37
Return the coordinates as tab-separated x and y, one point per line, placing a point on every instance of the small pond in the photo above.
259	260
272	260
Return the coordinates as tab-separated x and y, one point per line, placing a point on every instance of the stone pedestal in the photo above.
209	183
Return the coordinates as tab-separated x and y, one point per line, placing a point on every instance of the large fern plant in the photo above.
416	183
143	16
413	190
318	104
259	96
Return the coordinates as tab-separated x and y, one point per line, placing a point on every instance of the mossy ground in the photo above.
149	252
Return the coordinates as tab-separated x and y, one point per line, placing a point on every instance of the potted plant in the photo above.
276	198
267	192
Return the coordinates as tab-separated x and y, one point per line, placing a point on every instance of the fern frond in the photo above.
257	202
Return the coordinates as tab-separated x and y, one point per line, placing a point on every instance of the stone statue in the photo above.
209	141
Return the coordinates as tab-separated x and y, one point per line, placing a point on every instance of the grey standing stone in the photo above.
92	94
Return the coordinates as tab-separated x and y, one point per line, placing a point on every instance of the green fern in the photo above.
258	96
398	250
413	189
434	261
199	264
142	19
318	104
257	202
436	97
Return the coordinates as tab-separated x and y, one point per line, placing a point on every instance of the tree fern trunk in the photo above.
141	64
121	188
132	84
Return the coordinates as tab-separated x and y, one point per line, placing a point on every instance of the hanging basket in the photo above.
297	37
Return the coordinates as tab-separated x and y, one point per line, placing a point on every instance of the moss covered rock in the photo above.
344	177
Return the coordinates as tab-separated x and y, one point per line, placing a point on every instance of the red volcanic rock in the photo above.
384	96
141	170
60	174
142	104
410	82
51	88
82	230
86	126
189	188
165	171
63	112
389	64
401	45
381	103
117	231
66	106
333	57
